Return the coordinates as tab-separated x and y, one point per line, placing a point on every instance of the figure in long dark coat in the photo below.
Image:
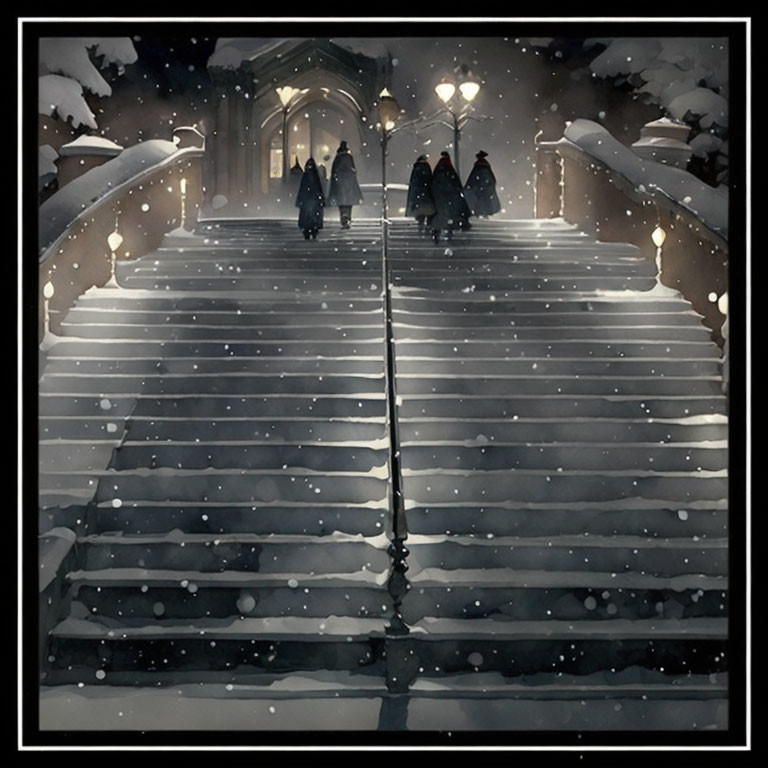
420	203
310	201
480	189
451	208
345	191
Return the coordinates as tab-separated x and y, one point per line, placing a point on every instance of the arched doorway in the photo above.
315	129
339	84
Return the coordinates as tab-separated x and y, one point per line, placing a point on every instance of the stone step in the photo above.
627	305
526	265
607	554
551	406
308	284
280	309
423	487
635	517
567	602
365	433
261	324
672	335
210	404
213	553
341	339
405	320
581	455
271	643
219	347
152	602
227	486
566	348
194	455
483	431
555	283
366	262
493	386
257	518
255	384
241	382
83	456
563	366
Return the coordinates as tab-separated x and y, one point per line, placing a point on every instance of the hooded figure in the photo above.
345	191
480	189
310	201
451	208
420	203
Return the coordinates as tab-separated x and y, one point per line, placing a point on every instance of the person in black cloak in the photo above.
451	209
345	191
310	201
480	189
420	203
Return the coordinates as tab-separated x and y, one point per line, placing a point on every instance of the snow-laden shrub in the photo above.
70	68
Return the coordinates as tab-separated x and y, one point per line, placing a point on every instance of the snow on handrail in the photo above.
707	204
94	188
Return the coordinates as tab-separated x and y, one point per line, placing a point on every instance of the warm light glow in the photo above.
287	93
658	236
183	185
389	109
469	90
722	303
445	91
115	240
48	290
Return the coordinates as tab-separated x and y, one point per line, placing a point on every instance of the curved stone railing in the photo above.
581	184
142	208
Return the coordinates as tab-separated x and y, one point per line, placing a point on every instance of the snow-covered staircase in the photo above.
215	430
564	455
235	385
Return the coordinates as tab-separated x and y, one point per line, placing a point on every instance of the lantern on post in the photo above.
183	188
389	111
114	241
48	291
658	236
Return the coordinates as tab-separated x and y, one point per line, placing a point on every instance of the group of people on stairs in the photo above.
344	192
436	198
439	202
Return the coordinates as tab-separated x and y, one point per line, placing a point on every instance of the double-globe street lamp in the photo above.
459	112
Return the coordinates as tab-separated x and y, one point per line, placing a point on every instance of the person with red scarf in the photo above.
451	208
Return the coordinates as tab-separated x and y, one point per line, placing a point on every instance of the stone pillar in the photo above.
548	189
237	144
222	142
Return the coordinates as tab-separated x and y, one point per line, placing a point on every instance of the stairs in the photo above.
563	440
215	432
240	524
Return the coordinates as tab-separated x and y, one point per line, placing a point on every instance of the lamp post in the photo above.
287	95
459	112
389	111
114	241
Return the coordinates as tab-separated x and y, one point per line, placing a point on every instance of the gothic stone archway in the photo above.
341	85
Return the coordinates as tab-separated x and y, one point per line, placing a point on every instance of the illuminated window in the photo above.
275	163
